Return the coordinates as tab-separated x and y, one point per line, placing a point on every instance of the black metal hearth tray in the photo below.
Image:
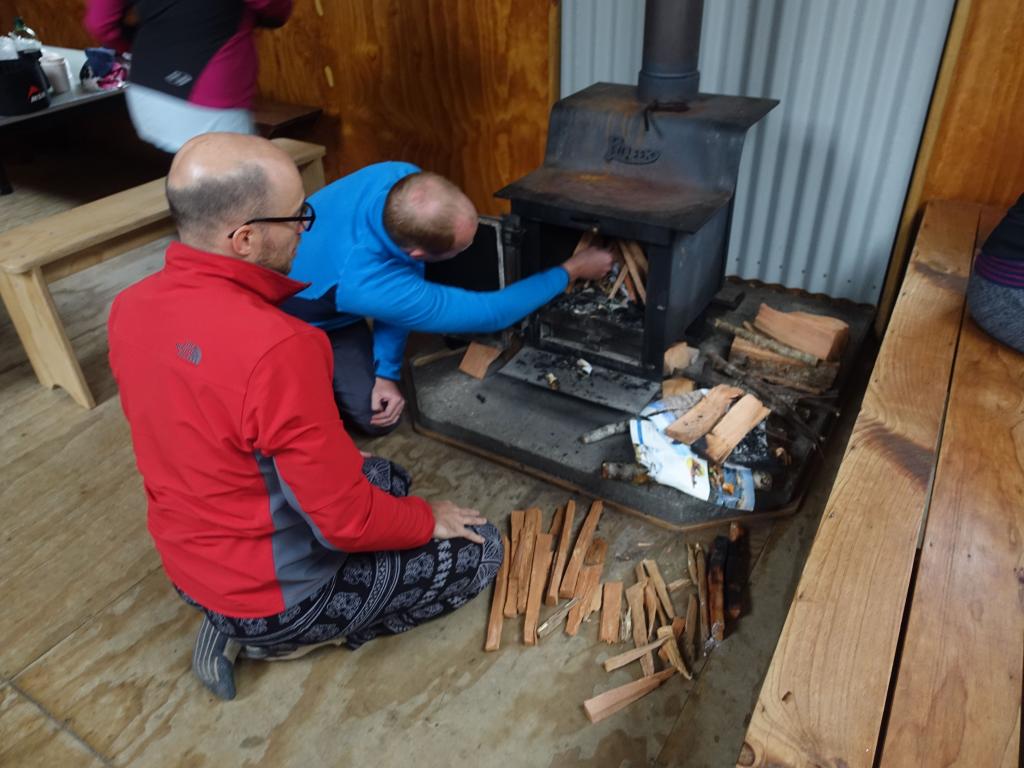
537	430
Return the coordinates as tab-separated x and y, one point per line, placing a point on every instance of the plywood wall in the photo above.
979	149
461	87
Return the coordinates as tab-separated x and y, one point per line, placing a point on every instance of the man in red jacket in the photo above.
258	501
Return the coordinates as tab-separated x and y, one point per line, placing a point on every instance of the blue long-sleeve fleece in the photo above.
357	271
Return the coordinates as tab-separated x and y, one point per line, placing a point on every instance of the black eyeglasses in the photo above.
306	216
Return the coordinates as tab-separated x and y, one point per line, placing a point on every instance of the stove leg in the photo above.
5	183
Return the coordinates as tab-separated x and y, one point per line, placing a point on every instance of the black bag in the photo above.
23	86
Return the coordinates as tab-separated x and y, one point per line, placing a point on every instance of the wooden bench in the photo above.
904	644
36	254
273	118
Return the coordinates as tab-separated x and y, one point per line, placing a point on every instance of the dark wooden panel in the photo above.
56	22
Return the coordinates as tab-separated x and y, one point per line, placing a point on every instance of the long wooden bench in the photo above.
904	644
36	254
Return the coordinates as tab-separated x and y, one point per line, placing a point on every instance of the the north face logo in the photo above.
190	352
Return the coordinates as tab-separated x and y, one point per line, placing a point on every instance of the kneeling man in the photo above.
259	502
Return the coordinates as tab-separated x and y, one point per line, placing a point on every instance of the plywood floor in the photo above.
95	647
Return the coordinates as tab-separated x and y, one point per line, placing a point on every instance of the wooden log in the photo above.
604	432
634	272
635	600
779	369
716	586
653	609
702	595
764	341
700	419
620	280
556	522
634	654
512	593
690	630
527	544
572	569
589	580
552	622
637	252
478	359
541	564
596	552
555	581
691	563
586	240
678	357
669	652
494	623
677	386
746	414
735	571
654	574
608	703
675	586
818	335
611	612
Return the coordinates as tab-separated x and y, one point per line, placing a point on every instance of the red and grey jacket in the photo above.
255	490
201	51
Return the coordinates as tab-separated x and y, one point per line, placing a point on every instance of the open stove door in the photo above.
489	264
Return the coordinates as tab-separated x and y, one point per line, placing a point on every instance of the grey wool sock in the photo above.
213	660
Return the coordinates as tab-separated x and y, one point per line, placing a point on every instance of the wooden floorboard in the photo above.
823	697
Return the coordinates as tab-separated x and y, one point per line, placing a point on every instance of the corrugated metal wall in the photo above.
824	176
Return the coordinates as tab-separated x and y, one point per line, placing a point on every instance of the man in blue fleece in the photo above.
376	230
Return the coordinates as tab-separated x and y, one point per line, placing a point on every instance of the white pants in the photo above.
167	122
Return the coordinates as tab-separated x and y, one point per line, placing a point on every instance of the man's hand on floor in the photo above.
589	264
450	522
386	402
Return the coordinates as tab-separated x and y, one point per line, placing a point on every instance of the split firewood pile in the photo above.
628	279
539	567
797	350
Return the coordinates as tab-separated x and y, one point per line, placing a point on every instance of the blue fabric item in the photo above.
100	60
356	271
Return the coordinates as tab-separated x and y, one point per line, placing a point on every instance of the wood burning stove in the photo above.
657	164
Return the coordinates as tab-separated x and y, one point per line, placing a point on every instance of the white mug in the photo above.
57	72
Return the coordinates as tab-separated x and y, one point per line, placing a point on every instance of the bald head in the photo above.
429	217
219	180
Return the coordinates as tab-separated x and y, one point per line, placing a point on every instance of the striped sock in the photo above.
213	660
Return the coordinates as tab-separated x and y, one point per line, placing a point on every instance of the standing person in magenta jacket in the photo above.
194	62
379	227
265	515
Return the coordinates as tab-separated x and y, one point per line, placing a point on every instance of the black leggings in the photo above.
377	592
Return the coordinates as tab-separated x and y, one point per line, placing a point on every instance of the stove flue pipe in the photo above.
669	73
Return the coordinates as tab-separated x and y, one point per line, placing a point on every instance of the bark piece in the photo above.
611	612
494	623
700	419
691	630
702	595
478	359
716	586
572	570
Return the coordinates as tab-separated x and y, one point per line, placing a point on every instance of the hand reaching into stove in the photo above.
589	264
